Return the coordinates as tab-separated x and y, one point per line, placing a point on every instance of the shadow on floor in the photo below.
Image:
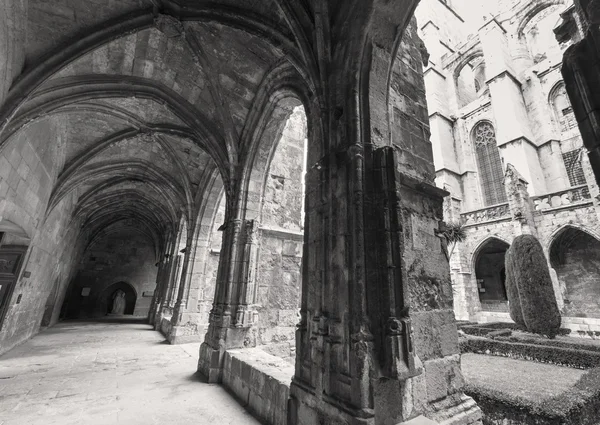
110	319
198	377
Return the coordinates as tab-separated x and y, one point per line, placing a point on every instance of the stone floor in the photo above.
88	373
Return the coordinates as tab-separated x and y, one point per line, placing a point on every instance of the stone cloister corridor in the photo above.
100	373
210	200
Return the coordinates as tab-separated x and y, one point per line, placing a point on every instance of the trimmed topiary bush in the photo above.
514	301
534	286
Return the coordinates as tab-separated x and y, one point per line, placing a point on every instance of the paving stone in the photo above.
147	382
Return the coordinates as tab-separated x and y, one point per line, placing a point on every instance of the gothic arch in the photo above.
559	231
574	254
490	274
483	242
109	292
532	9
469	78
490	168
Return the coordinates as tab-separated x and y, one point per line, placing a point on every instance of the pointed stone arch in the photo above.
574	253
488	265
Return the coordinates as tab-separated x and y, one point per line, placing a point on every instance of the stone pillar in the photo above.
513	133
174	282
232	314
186	320
245	314
520	204
581	73
177	332
377	341
161	303
156	299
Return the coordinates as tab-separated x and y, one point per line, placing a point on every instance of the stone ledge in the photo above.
260	381
420	420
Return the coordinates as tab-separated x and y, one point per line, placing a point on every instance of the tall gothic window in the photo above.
562	109
571	143
491	173
574	168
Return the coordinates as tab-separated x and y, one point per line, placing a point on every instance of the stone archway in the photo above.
491	275
109	294
575	256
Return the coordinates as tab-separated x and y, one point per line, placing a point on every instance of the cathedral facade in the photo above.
508	150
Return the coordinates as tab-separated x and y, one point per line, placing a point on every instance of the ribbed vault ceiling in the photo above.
152	99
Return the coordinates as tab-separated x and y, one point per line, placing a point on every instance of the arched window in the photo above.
489	164
565	118
562	109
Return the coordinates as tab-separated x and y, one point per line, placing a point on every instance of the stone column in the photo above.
156	299
162	301
581	72
232	315
163	277
377	341
246	314
183	282
165	308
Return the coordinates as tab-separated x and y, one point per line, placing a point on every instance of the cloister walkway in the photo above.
89	373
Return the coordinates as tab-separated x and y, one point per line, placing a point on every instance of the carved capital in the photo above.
245	316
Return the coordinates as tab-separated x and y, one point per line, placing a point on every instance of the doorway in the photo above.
11	259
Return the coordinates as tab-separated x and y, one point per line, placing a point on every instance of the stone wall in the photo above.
28	165
548	223
113	258
578	270
261	382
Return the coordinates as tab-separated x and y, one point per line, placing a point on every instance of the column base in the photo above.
183	334
187	327
210	360
304	408
210	363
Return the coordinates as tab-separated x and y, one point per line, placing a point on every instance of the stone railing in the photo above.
486	215
565	198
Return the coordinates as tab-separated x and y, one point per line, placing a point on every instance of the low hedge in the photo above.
552	342
484	329
578	406
572	357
